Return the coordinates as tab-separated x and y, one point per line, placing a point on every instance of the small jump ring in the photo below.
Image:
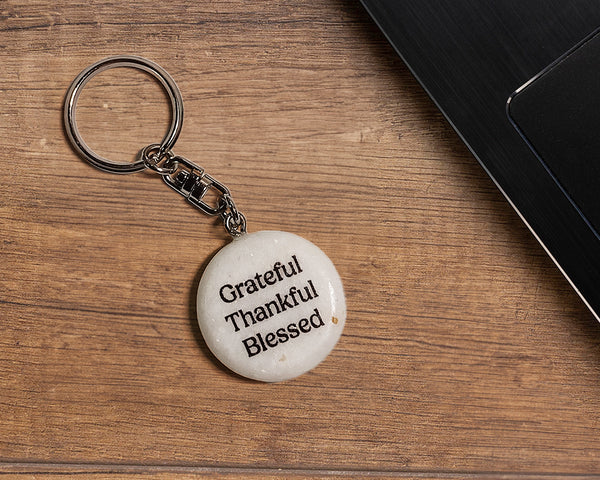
235	227
121	61
151	160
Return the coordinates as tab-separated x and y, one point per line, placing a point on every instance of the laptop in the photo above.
519	81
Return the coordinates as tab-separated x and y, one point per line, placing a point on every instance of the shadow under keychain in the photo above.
270	304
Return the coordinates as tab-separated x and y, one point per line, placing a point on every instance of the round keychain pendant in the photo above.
270	304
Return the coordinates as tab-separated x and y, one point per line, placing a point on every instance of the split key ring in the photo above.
70	110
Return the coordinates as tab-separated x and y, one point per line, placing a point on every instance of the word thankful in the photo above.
281	303
262	342
230	293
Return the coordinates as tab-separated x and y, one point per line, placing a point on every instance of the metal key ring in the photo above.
86	75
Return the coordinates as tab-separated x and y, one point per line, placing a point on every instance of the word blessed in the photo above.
259	343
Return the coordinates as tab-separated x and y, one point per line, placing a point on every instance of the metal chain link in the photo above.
162	165
191	181
234	220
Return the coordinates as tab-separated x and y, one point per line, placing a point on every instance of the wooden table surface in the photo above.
466	354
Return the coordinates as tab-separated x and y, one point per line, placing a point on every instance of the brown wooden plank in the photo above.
99	472
465	350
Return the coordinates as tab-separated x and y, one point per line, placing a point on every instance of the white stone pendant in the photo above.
271	305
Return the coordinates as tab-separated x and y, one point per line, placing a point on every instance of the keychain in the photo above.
270	304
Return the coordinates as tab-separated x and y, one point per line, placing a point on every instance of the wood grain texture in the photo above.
27	472
465	350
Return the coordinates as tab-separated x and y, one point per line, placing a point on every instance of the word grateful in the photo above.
230	293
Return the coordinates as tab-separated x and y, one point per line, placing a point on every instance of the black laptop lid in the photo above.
558	114
471	57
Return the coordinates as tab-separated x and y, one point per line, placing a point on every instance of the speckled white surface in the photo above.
271	326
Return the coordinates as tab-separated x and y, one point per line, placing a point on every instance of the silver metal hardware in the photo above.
234	220
70	117
150	157
180	174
